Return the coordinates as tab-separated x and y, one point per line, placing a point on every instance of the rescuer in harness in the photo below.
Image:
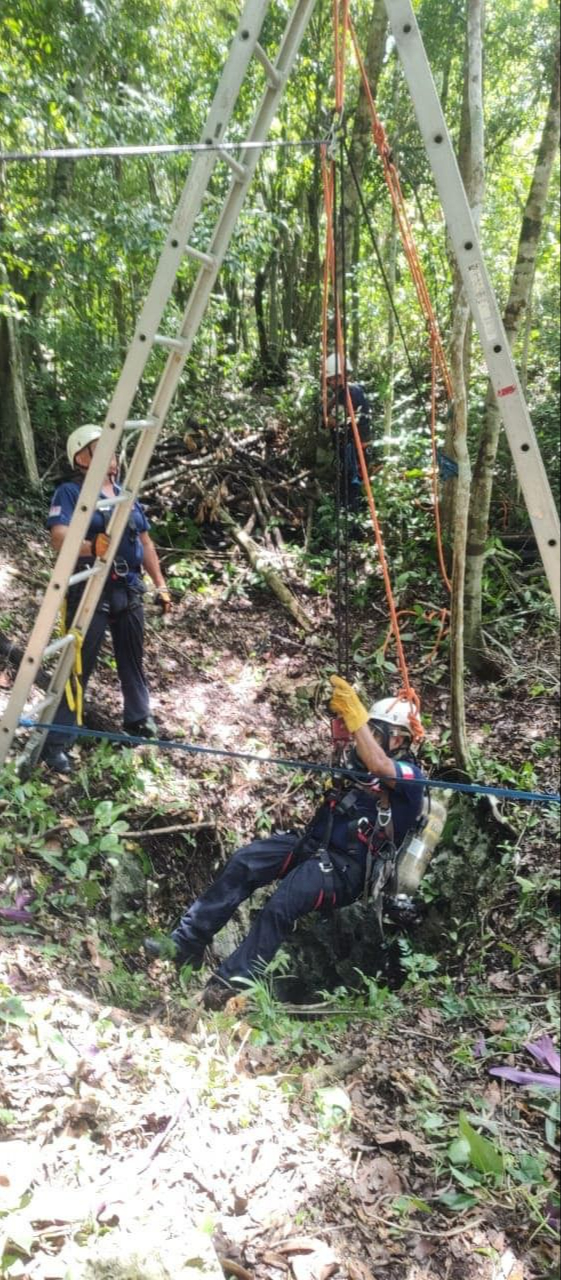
120	607
339	423
325	867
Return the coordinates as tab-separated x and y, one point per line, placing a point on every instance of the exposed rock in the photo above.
128	887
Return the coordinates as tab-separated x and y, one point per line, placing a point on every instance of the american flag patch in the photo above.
55	511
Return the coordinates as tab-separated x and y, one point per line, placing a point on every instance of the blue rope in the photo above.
502	793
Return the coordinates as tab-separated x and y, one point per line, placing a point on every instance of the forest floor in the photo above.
144	1139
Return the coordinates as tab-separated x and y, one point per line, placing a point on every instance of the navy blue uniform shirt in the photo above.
130	553
406	801
361	406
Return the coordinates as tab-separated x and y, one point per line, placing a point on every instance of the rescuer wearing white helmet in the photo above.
322	868
120	607
338	421
80	439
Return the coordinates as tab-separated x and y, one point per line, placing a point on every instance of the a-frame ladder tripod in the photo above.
245	49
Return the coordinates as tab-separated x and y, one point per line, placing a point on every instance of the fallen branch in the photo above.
234	1269
265	501
273	579
166	831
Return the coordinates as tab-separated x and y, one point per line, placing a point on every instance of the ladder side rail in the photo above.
204	283
235	198
481	296
206	277
190	203
288	52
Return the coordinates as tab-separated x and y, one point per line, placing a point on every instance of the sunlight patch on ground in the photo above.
248	682
6	572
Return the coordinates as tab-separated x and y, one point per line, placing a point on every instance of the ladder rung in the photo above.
239	170
46	702
205	259
84	575
174	344
57	645
107	504
140	424
273	76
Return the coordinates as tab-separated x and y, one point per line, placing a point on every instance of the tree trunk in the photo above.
473	172
16	390
515	313
361	137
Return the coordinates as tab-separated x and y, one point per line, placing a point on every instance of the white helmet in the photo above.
397	713
80	439
332	366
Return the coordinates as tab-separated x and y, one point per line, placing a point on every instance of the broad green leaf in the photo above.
484	1156
12	1010
407	1204
457	1200
78	869
459	1151
79	836
468	1180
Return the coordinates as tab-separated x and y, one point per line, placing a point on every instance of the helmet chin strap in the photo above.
385	731
78	465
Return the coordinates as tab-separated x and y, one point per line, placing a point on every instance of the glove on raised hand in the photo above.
163	599
100	544
346	703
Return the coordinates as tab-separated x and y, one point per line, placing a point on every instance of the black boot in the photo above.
57	760
217	993
146	728
167	949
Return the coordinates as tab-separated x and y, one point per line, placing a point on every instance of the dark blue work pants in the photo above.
127	634
304	887
350	479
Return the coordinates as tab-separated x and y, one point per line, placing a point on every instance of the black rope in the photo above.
303	766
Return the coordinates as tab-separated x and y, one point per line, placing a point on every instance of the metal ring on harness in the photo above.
120	568
384	817
325	863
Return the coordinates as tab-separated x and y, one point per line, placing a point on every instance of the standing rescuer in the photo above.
338	421
120	607
323	868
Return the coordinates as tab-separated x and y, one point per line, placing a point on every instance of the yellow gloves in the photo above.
346	703
163	599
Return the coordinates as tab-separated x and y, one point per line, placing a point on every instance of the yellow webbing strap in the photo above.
74	689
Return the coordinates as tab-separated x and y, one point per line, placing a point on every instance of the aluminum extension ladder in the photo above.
512	405
244	51
465	240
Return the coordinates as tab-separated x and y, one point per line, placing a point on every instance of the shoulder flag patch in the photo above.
406	771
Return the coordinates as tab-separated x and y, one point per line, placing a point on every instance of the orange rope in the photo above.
438	355
429	615
392	179
342	27
407	692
